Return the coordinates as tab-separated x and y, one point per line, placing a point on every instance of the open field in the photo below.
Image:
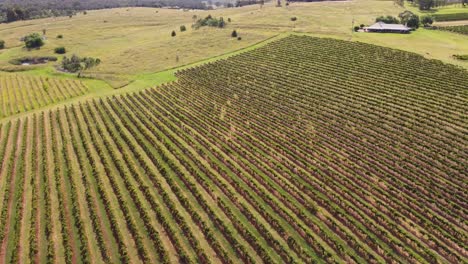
136	41
305	149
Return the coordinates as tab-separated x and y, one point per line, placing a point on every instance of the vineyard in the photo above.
20	93
455	29
305	150
450	17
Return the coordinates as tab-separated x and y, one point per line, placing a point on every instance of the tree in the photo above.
426	4
234	34
72	64
427	20
221	22
33	40
293	19
409	19
75	63
16	13
173	34
183	28
2	44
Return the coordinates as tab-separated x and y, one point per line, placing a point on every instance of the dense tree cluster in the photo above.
428	4
76	64
210	22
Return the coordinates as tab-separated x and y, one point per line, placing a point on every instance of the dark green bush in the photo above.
60	50
461	57
33	41
2	44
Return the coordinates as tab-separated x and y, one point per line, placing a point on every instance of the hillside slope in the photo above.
304	150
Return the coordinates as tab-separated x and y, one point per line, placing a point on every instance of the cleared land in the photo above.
303	150
137	41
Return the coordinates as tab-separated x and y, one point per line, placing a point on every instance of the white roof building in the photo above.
383	27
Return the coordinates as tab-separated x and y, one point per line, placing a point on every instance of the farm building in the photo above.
387	28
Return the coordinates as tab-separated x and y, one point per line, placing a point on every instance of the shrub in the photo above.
461	57
427	20
60	50
239	38
173	34
33	40
60	36
234	34
293	18
362	26
2	44
183	28
387	19
356	28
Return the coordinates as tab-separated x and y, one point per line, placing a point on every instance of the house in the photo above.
387	28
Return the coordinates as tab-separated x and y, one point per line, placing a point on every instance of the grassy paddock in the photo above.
135	42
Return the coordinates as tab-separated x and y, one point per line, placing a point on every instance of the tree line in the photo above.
14	10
